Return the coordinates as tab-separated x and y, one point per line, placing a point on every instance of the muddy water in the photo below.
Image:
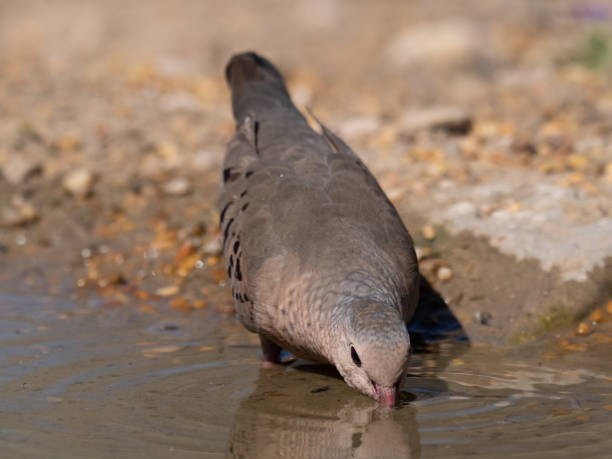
82	381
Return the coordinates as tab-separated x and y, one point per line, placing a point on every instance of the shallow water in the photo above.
82	381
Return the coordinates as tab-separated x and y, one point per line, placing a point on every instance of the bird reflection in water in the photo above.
306	410
294	414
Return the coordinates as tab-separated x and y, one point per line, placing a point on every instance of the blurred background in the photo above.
486	117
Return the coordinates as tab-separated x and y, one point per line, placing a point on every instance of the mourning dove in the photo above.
319	260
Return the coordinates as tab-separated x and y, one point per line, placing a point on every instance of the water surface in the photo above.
84	381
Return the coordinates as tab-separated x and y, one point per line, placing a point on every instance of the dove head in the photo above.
373	351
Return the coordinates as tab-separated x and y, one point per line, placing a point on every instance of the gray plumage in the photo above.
318	258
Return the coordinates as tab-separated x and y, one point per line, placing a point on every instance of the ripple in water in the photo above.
122	385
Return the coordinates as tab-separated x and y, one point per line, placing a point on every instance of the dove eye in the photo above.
355	357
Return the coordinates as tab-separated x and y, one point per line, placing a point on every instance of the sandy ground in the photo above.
488	126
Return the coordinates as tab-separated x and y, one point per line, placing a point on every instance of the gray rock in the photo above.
530	216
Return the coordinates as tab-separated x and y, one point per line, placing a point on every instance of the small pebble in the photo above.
181	304
177	187
482	317
444	273
428	232
213	247
356	127
319	390
18	169
596	316
112	279
422	252
186	249
194	230
486	209
452	120
212	260
584	329
151	254
162	349
168	290
79	182
20	212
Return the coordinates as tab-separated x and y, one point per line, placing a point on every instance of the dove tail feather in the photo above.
257	87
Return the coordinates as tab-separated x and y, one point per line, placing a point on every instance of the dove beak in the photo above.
386	395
